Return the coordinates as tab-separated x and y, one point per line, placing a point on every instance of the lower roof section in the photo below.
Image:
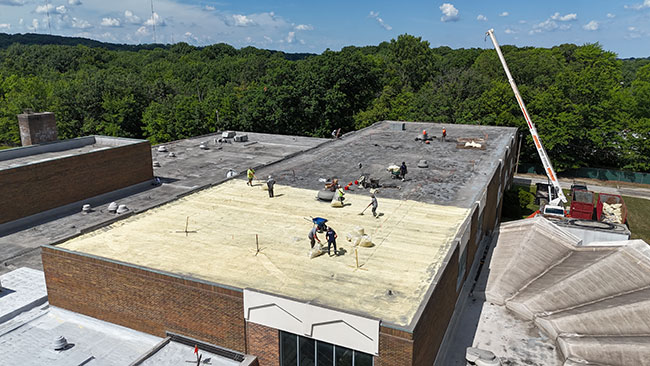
213	235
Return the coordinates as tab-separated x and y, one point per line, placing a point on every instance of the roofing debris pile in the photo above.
612	213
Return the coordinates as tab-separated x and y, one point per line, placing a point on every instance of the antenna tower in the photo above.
47	11
153	22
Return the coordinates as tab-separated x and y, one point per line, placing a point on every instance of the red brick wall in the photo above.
263	342
144	300
395	348
55	183
433	321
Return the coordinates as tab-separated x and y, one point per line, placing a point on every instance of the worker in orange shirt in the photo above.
444	134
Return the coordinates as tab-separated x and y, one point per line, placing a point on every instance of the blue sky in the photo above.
303	26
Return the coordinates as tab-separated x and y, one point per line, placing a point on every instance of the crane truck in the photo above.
556	198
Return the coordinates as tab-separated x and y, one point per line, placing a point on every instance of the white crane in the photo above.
548	168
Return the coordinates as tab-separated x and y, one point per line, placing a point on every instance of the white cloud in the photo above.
74	2
80	23
509	31
142	31
591	26
610	15
21	21
645	4
565	18
374	14
631	29
549	25
449	13
481	17
12	2
522	22
304	27
191	37
42	9
131	18
5	26
268	39
61	9
242	20
110	22
155	20
291	37
208	8
504	14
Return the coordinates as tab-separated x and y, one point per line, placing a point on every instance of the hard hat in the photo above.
270	177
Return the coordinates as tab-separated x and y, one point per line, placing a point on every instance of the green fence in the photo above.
592	173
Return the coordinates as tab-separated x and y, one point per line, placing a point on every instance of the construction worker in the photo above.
312	236
403	171
374	204
425	136
331	240
270	183
444	134
250	174
340	193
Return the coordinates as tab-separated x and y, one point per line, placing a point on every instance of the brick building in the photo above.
229	266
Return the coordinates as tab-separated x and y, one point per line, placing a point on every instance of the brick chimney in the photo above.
37	128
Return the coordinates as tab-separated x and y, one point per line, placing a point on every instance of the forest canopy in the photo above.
591	109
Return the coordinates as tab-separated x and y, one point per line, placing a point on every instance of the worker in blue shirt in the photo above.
331	240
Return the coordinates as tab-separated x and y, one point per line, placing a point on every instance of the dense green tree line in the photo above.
590	108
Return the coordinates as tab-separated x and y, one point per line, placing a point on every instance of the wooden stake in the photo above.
257	243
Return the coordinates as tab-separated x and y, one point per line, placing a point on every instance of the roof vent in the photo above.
171	155
85	208
204	146
61	344
162	148
231	173
112	207
241	138
423	164
122	209
156	164
481	357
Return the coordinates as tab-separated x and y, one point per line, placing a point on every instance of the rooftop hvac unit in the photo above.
241	138
228	134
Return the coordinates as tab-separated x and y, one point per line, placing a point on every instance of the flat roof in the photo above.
34	154
191	169
411	240
454	176
28	333
422	216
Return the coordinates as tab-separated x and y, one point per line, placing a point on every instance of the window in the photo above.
302	351
325	354
288	349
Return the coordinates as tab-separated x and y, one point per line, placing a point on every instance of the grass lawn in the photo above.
638	211
638	217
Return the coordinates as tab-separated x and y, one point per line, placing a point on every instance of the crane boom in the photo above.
548	168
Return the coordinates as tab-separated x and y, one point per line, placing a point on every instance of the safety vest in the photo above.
340	192
250	173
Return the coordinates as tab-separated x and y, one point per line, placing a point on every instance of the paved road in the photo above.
566	184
